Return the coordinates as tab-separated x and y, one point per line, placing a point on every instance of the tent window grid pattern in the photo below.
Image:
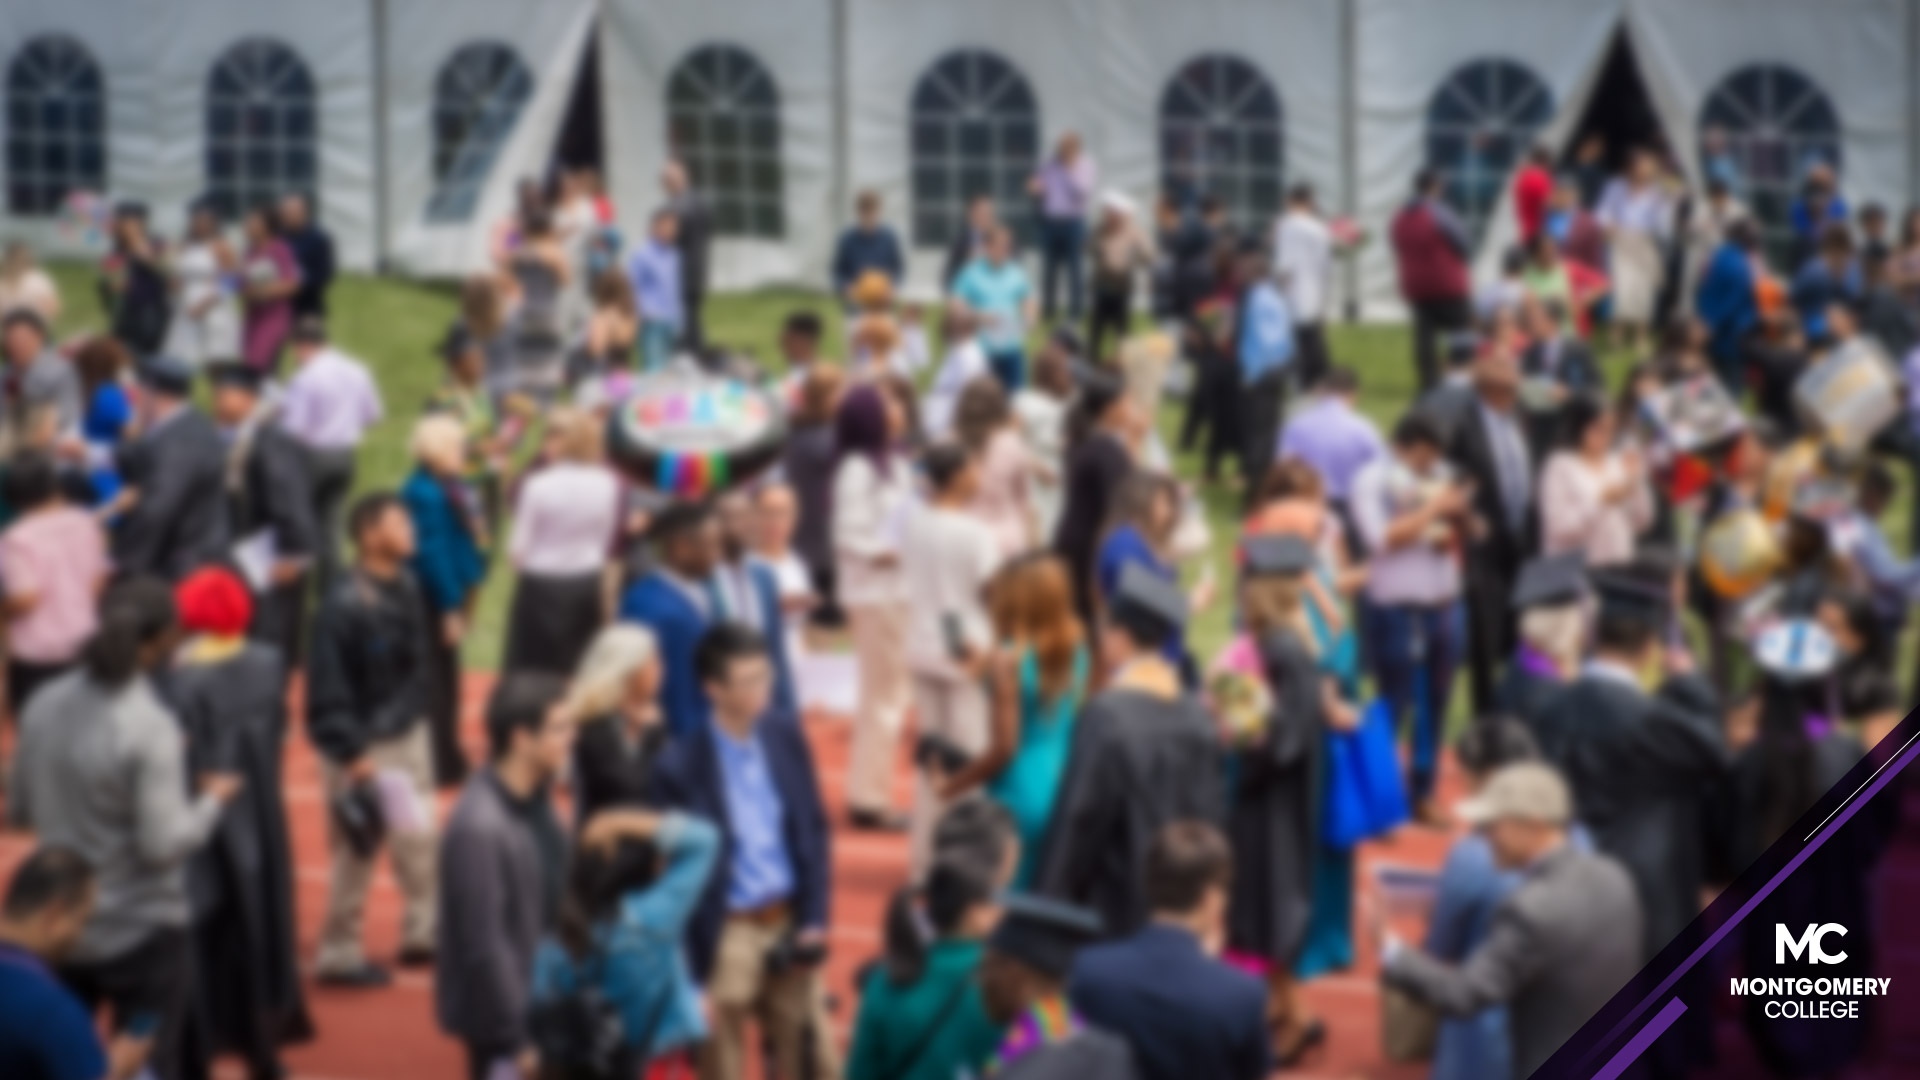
974	130
1761	129
1480	123
477	99
723	119
1222	133
56	125
262	127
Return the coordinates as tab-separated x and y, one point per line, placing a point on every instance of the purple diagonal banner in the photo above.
1637	1045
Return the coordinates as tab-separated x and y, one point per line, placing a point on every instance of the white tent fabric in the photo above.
1856	51
550	39
1097	68
1408	49
157	65
641	43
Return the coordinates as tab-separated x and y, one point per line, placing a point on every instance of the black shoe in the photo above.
888	821
416	956
368	976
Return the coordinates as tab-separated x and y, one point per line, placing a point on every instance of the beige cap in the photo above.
1525	792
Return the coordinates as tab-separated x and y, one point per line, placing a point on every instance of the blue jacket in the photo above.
687	777
678	623
1186	1014
641	967
1816	286
1725	301
446	558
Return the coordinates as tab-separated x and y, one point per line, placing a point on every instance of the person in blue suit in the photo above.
449	563
1726	302
676	601
1185	1013
758	934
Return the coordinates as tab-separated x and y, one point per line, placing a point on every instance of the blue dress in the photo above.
1030	783
1329	945
103	427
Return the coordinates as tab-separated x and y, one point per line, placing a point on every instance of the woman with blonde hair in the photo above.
1038	678
1550	596
615	701
449	564
565	524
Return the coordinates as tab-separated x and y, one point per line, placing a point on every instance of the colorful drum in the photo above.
692	434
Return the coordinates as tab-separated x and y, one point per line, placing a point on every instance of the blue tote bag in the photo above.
1366	795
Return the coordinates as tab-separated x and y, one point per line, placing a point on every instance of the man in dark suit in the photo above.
1490	448
1451	399
1553	954
758	937
179	522
748	592
1185	1013
312	248
266	477
695	240
1556	358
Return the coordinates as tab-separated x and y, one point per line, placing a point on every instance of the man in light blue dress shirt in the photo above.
1265	351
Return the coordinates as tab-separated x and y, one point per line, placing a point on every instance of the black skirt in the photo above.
553	620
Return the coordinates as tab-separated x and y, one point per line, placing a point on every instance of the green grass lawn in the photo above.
394	324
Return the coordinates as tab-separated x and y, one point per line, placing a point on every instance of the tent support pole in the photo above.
842	133
1913	102
1350	142
381	210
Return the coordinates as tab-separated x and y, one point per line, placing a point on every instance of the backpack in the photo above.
580	1034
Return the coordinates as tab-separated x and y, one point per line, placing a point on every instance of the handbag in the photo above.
1366	795
1409	1027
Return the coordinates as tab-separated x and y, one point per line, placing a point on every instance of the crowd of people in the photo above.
1126	859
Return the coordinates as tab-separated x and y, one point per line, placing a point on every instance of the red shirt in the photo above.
1532	186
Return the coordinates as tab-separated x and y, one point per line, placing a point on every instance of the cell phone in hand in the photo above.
955	635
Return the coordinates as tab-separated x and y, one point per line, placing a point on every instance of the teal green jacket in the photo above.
931	1030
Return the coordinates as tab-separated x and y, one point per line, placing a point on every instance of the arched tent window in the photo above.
56	125
1222	133
1479	125
975	129
476	99
723	115
1760	129
262	126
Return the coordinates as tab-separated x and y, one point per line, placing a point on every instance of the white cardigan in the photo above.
869	519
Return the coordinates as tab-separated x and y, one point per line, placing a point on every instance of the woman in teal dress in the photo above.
1329	944
1038	682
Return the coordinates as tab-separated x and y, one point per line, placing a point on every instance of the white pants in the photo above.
955	710
880	643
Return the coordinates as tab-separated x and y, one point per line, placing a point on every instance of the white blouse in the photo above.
1574	513
566	520
869	520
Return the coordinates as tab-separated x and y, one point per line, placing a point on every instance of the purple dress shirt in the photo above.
330	402
1335	440
1065	190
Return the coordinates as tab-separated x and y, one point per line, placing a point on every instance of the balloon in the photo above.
1738	553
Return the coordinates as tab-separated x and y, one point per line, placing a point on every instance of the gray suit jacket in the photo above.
490	918
1561	944
180	521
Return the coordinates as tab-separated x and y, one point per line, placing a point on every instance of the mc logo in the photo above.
1808	943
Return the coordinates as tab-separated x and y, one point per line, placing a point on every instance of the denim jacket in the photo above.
642	965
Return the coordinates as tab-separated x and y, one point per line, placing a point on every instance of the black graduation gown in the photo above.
1643	768
1139	761
1083	1056
1272	814
274	492
1524	696
1095	470
247	979
180	521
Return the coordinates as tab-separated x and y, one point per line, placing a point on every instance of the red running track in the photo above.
389	1034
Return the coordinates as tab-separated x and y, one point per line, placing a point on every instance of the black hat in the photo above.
1636	595
1461	345
1149	607
1099	387
165	374
1069	339
1277	553
1550	580
1043	934
233	373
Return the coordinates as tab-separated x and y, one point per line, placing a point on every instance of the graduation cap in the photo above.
1043	934
164	374
1796	651
1099	386
1149	607
1461	345
1069	339
1639	597
1550	580
236	375
1276	554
